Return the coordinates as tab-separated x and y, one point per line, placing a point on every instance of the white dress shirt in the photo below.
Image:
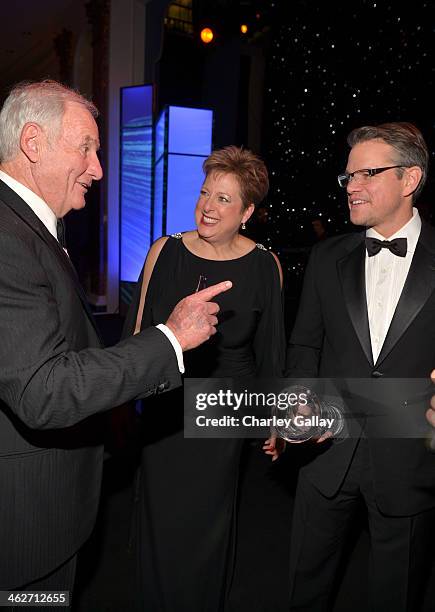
385	278
49	219
37	204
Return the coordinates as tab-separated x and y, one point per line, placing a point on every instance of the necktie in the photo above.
60	229
398	246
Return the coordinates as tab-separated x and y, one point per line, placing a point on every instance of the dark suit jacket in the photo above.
53	376
331	339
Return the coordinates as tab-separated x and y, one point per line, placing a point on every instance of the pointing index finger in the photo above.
210	292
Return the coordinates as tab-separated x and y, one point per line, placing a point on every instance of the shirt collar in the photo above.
410	231
37	204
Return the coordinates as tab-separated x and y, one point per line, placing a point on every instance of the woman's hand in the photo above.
274	446
430	414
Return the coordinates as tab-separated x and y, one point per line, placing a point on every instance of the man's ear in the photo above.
412	179
31	141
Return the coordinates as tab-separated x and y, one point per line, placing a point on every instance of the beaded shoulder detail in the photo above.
179	235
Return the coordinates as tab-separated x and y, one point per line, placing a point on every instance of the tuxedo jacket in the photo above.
53	376
331	339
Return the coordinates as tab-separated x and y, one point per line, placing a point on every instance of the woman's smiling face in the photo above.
219	210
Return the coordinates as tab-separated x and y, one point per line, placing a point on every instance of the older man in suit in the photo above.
54	373
368	311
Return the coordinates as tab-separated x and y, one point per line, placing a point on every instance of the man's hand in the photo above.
194	318
430	414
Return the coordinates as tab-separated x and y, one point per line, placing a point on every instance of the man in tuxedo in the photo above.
54	373
367	311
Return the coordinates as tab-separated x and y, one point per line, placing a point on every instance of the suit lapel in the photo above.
351	271
418	287
26	214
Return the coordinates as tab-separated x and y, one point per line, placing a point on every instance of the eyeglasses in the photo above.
361	177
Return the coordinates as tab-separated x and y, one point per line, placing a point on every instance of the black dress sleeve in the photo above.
269	341
157	280
130	320
306	339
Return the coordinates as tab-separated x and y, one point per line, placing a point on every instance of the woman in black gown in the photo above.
187	488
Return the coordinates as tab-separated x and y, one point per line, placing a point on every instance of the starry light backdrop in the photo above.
334	66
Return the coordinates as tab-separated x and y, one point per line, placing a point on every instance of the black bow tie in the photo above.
398	246
60	229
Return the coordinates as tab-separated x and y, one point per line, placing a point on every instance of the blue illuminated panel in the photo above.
159	176
189	138
160	135
190	130
136	179
185	178
137	106
158	199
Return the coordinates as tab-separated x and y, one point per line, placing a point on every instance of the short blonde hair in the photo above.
248	168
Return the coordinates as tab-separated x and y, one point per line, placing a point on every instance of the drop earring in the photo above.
243	226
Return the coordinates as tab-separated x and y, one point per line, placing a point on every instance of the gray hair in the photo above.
42	103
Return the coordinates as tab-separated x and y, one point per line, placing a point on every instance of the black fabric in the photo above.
186	512
397	246
401	547
61	579
60	229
